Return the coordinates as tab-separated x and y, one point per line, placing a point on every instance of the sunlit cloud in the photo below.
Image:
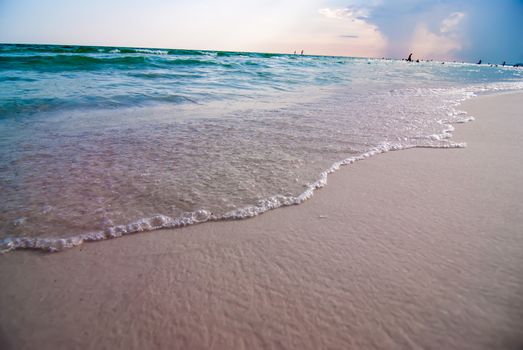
442	44
451	22
351	13
336	13
365	38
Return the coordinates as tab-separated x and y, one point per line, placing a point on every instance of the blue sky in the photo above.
439	29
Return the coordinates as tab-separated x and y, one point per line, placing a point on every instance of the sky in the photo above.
463	30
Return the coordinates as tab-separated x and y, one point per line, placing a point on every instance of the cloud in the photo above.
405	24
429	28
451	22
442	44
426	44
366	39
439	29
363	8
335	13
348	12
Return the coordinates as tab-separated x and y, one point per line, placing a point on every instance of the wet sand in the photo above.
417	249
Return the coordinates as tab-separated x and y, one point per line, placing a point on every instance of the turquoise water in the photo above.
98	142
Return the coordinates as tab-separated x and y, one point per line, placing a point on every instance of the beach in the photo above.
414	249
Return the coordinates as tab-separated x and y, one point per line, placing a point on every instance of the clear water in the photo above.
99	142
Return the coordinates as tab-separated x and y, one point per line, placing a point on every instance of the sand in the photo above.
416	249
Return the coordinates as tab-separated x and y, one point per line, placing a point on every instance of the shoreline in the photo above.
406	250
200	216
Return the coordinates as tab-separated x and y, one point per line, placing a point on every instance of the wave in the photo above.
146	51
21	106
155	75
247	54
67	62
184	52
53	63
15	48
75	49
72	49
194	62
160	221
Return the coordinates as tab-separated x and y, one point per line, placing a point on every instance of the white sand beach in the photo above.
416	249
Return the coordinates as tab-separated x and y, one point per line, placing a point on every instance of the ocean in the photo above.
101	142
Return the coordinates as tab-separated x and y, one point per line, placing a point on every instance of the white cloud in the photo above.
365	38
335	13
426	44
349	12
451	22
438	45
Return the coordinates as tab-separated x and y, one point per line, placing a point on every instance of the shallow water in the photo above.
100	142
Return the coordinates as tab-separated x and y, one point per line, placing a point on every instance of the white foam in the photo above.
151	51
152	223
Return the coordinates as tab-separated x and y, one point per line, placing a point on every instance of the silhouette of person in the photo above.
410	58
479	62
504	63
301	52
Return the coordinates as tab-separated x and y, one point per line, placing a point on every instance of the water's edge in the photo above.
160	221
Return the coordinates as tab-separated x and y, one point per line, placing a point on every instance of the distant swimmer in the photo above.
417	61
295	52
301	52
410	58
504	63
479	62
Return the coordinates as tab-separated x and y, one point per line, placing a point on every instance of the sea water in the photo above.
99	142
